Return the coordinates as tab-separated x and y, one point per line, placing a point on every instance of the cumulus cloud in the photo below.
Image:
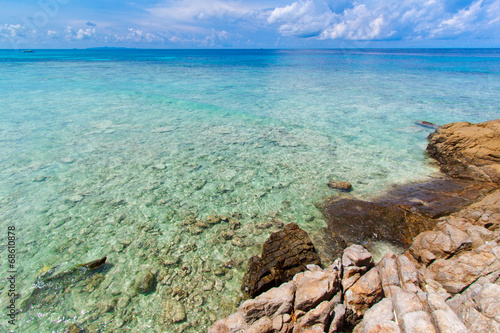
387	19
14	31
52	34
80	34
136	35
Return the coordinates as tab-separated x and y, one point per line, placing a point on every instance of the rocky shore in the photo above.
448	280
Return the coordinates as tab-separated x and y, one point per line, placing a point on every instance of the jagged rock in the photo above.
284	254
458	273
274	302
442	242
488	301
407	273
263	325
443	316
405	302
389	274
378	318
337	322
417	322
468	150
356	260
319	317
231	324
364	293
313	287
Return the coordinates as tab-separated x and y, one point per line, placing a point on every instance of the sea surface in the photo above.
131	154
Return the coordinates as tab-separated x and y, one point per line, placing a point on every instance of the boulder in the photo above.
263	325
274	302
363	294
466	150
443	316
314	287
417	322
284	254
319	317
379	318
356	260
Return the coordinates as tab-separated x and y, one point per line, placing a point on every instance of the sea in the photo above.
179	164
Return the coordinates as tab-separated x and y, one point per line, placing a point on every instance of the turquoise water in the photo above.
117	152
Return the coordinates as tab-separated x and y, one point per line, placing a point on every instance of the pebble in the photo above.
123	302
209	285
219	285
173	311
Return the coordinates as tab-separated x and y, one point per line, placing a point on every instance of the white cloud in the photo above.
387	19
14	30
463	21
80	34
136	35
52	34
303	19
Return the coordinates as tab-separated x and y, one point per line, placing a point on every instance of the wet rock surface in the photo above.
353	221
284	254
396	217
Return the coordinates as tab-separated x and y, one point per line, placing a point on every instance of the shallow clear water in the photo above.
110	152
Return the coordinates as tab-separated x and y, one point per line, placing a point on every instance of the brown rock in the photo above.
377	318
319	317
443	242
417	322
340	185
314	287
231	324
363	294
466	150
363	222
284	254
337	322
458	273
274	302
443	316
263	325
437	197
356	260
389	273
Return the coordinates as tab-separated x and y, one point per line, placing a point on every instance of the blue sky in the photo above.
249	24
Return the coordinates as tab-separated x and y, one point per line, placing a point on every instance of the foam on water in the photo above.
119	158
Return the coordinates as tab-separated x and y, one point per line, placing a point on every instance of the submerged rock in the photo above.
340	185
50	287
426	124
145	283
284	254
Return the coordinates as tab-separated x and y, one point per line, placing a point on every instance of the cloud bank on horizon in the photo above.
249	24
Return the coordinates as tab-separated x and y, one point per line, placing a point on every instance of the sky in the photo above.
249	24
